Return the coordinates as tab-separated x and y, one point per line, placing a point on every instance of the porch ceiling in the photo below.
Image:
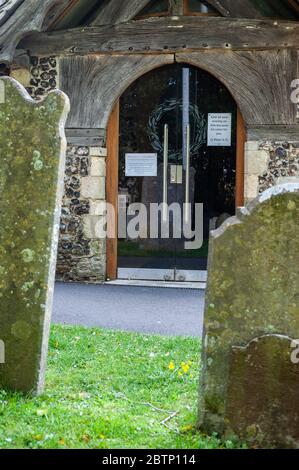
20	17
72	13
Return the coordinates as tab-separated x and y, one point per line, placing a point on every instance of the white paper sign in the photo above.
219	130
141	164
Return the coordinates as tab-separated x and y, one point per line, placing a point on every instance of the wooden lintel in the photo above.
164	35
89	137
278	133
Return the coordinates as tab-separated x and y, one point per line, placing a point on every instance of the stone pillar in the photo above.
82	250
267	162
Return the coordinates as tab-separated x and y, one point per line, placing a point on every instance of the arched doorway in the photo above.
175	138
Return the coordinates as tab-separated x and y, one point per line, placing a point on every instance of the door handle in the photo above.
187	186
165	172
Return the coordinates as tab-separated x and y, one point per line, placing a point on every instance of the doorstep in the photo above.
165	284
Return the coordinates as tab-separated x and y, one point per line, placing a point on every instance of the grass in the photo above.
110	390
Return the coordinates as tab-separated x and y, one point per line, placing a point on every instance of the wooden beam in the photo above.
112	189
236	8
166	35
28	16
294	4
176	7
258	80
7	9
93	83
83	137
115	12
278	133
57	13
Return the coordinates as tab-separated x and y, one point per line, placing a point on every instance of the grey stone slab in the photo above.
252	291
32	156
262	398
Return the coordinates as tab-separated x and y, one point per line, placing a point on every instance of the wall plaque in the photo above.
219	130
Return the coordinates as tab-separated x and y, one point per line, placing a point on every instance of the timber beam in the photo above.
165	35
114	11
18	18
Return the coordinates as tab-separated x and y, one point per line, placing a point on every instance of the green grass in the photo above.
109	390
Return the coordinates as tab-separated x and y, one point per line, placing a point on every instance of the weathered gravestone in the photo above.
250	380
32	149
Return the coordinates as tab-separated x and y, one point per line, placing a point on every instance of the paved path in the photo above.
142	309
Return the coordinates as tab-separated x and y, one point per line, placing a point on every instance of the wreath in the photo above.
171	105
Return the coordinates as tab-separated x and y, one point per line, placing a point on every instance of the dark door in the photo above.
177	172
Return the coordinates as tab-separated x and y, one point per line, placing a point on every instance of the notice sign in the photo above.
141	164
219	130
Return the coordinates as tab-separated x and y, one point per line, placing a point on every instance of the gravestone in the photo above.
262	395
249	382
32	154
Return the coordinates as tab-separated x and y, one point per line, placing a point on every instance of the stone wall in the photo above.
266	162
44	76
283	162
81	252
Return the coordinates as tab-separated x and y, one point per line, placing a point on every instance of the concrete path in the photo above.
142	309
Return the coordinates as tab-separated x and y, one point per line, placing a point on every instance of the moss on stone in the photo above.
30	172
252	290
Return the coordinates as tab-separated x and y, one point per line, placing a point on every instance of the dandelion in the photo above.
171	366
185	367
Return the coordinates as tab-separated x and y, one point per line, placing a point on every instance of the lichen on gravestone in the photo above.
252	291
32	156
262	395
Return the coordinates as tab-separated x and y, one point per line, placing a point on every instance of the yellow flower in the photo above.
185	367
101	436
171	366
